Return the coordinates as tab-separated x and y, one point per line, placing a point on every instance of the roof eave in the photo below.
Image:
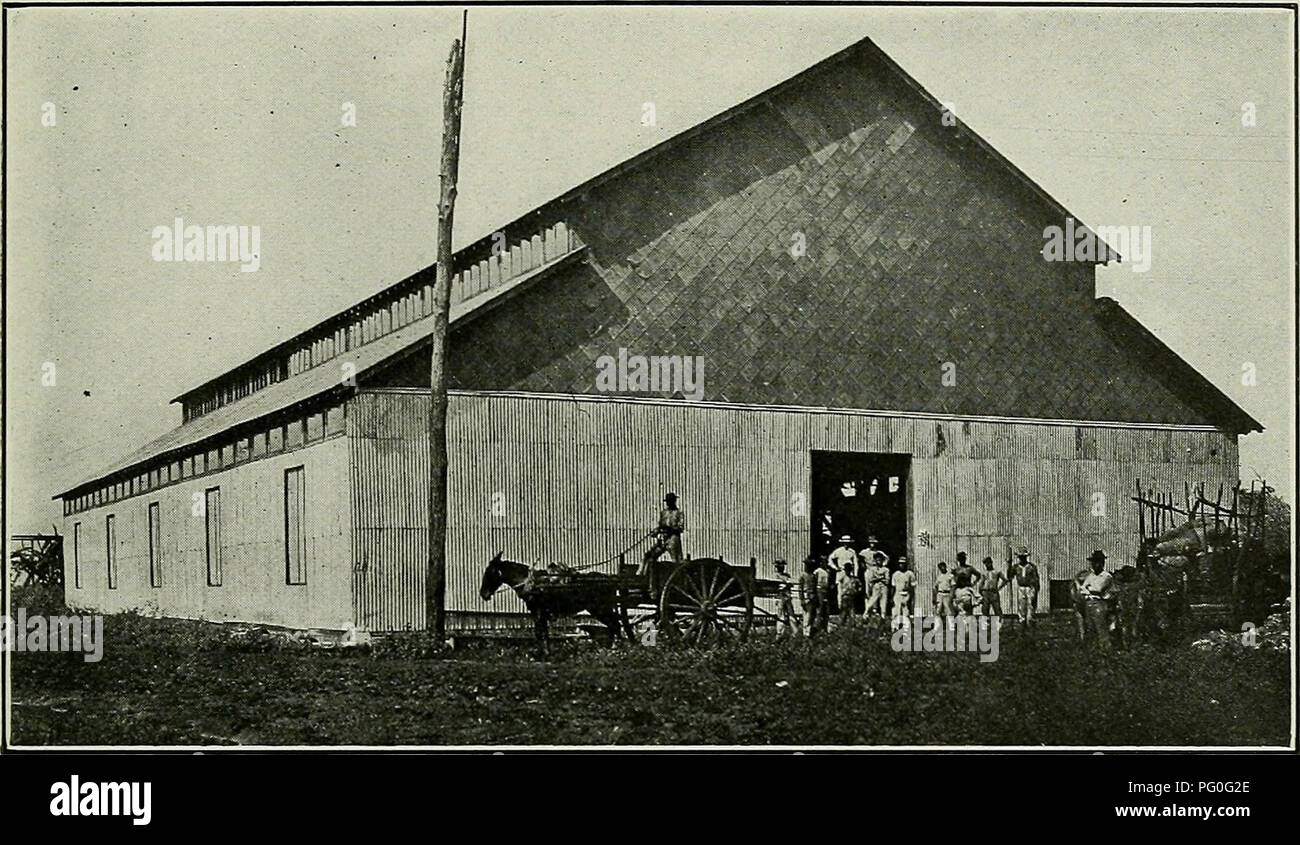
1195	389
461	313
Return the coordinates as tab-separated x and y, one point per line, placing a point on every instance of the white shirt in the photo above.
1098	585
869	555
841	556
904	581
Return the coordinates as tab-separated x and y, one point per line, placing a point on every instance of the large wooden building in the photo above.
880	344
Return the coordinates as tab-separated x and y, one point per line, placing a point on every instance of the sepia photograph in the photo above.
720	378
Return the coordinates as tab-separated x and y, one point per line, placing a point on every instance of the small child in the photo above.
848	586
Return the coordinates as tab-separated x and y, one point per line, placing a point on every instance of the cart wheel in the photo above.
705	602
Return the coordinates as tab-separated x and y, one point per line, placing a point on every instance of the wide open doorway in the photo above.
860	494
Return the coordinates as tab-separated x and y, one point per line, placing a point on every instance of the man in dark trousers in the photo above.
668	534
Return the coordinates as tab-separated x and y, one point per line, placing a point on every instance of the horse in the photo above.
596	594
1128	604
1163	597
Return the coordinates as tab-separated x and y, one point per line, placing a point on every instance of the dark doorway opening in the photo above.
860	494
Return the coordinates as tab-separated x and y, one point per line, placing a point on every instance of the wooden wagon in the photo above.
699	601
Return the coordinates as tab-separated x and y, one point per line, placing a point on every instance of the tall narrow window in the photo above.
155	547
295	539
212	520
76	555
110	547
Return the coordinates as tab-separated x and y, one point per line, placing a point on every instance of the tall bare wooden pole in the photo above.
435	589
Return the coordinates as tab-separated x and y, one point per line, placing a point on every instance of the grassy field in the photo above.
186	683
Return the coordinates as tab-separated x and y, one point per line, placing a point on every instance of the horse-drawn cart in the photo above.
700	601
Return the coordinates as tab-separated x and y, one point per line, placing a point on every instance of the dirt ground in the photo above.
184	683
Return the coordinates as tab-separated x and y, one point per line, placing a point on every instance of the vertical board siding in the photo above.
546	479
253	587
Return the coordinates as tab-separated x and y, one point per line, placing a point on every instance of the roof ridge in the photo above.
864	44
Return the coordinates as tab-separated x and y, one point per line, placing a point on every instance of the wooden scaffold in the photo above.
1198	534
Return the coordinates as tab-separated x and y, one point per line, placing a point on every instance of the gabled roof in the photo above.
553	208
866	47
707	304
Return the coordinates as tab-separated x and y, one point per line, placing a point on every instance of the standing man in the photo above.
1098	590
840	557
965	578
1026	578
904	582
943	587
849	587
991	588
964	574
808	595
824	580
872	550
843	555
876	576
668	534
787	621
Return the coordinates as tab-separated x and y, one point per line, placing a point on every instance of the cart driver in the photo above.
668	534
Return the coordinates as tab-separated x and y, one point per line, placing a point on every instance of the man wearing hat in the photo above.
904	581
875	574
668	534
1098	591
843	555
838	561
872	549
1025	575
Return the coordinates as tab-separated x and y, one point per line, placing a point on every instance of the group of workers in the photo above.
860	584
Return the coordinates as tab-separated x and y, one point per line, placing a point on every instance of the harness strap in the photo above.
635	543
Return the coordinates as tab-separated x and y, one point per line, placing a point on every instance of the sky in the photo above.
235	116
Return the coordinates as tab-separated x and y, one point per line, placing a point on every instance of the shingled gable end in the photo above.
921	256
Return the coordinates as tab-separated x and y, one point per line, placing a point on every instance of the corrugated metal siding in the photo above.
581	478
388	437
